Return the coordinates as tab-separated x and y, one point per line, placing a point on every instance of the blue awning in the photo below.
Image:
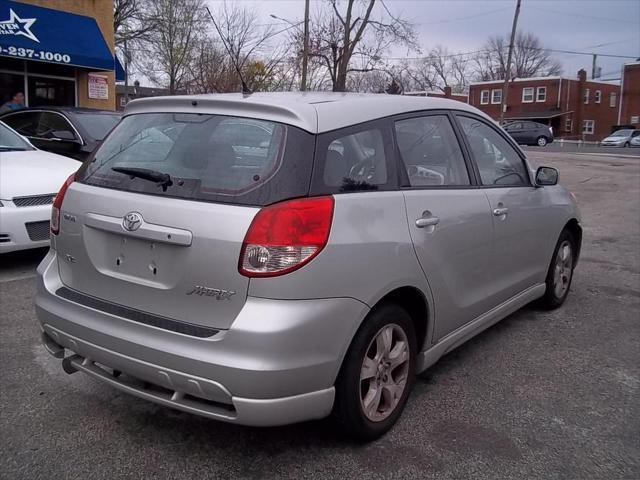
120	73
41	34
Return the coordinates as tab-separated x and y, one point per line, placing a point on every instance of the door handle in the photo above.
498	212
427	222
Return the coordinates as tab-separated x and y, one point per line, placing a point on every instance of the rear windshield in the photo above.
204	157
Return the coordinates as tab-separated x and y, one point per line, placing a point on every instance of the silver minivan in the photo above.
273	258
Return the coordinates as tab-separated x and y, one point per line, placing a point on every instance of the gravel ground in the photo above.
544	395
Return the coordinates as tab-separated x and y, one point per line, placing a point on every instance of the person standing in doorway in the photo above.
16	103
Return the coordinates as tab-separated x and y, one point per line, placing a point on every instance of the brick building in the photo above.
630	95
461	97
58	52
575	108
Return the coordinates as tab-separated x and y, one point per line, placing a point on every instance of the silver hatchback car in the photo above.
274	258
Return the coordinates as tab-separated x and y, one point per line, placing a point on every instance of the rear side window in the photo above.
354	159
430	152
207	157
24	123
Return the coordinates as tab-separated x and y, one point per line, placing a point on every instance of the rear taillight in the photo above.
285	236
57	204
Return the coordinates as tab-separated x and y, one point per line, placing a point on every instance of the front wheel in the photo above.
560	272
542	141
626	144
377	373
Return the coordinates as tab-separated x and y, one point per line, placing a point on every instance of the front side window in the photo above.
53	125
496	96
588	126
497	161
527	95
97	125
204	157
484	97
541	94
430	152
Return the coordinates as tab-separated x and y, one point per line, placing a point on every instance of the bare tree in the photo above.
247	43
530	59
352	39
169	49
131	20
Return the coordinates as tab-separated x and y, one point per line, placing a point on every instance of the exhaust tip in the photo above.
67	366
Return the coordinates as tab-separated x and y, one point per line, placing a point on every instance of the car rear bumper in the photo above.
276	364
13	227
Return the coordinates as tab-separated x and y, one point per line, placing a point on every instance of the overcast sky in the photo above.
599	26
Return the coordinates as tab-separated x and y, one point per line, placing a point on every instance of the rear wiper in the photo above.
162	179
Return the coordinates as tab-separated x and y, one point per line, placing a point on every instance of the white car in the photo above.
620	138
29	180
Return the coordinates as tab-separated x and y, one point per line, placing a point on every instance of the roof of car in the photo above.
63	110
314	112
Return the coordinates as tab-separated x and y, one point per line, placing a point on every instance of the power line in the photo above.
573	14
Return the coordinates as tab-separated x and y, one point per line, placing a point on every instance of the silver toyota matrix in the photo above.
273	258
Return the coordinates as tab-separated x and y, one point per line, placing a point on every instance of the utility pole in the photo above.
594	71
505	86
126	71
305	48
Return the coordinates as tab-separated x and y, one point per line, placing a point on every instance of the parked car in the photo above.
530	133
635	141
315	271
73	132
620	138
29	180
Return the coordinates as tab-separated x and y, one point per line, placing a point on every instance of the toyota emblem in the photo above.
132	221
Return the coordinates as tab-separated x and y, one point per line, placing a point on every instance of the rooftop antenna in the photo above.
245	89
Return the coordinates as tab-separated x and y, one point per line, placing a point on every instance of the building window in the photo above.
635	119
541	94
527	95
598	96
587	92
496	96
123	101
613	99
588	126
484	97
568	124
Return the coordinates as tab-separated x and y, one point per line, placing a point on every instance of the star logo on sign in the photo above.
18	26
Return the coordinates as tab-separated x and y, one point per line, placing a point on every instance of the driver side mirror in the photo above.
546	176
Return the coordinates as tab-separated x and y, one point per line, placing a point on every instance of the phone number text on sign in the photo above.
35	54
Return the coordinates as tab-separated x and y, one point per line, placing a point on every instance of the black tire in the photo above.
626	144
551	298
542	141
348	410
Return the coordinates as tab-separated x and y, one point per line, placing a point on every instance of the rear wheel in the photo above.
626	144
377	373
560	272
542	141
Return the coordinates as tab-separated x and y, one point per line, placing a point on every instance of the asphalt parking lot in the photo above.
549	395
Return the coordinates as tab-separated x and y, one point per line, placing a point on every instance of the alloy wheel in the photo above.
563	269
384	372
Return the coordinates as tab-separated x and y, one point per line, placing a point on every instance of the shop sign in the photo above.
98	87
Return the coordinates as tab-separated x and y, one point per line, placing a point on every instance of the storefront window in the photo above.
51	92
10	84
